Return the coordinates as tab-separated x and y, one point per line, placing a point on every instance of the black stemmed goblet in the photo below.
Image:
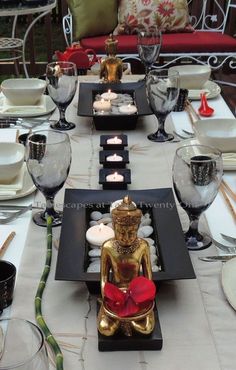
197	174
149	45
162	91
48	158
62	81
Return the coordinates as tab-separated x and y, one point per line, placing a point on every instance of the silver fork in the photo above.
181	136
229	238
191	134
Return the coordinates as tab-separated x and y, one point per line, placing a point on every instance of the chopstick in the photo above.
17	135
230	191
6	243
190	116
189	104
227	201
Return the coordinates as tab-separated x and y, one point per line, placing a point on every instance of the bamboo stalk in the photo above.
6	243
230	191
231	208
38	300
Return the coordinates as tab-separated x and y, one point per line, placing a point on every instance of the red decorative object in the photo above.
83	58
139	296
204	109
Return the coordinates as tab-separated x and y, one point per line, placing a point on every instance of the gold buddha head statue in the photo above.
111	45
126	219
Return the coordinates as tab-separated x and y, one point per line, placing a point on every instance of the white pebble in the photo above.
155	268
153	258
93	267
140	233
153	249
150	241
95	259
95	252
146	222
146	230
92	223
95	215
92	246
105	220
105	215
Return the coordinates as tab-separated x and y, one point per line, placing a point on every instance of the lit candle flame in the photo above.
109	91
100	227
115	175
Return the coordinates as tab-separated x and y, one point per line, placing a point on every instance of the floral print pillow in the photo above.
167	15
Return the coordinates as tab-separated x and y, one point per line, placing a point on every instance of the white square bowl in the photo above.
23	91
11	161
217	132
192	76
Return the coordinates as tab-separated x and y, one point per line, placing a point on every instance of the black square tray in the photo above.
72	258
111	121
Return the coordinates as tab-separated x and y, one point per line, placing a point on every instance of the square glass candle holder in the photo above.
114	178
114	158
113	142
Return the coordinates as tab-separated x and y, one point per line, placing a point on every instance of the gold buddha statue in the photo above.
122	258
111	67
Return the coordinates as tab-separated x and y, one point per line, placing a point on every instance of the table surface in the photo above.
198	325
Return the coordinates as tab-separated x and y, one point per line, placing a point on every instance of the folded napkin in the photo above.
8	108
15	186
195	94
8	135
218	215
229	161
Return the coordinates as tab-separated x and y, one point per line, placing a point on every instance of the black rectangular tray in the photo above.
72	258
111	121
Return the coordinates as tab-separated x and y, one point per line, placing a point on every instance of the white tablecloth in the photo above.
198	325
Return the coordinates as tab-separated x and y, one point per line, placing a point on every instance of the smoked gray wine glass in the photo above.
197	173
48	159
162	88
62	81
149	45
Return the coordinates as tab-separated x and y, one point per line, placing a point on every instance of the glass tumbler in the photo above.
22	346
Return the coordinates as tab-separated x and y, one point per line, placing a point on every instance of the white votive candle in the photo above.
128	109
115	177
98	234
109	95
102	105
114	158
114	140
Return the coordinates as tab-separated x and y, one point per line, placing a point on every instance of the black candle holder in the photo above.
106	146
103	154
114	185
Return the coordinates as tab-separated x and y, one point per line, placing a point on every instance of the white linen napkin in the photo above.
8	135
7	107
195	94
229	161
16	185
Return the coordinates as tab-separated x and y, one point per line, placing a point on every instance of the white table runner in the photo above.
198	326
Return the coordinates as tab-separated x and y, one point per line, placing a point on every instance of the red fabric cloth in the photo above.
172	43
